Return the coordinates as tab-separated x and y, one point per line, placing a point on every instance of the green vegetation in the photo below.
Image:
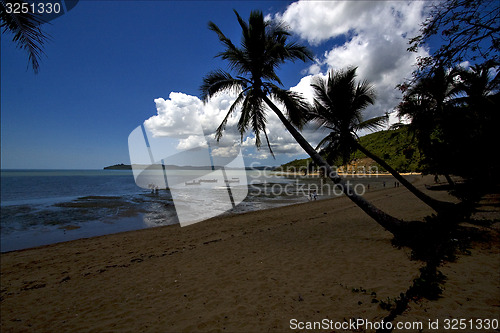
339	102
396	147
295	164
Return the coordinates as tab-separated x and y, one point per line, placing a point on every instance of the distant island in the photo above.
119	167
177	167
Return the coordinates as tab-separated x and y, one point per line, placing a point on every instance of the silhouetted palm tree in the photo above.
338	105
477	106
26	30
478	86
264	47
430	105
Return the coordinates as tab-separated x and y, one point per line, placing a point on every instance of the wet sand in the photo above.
251	272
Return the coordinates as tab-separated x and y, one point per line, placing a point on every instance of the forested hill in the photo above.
396	147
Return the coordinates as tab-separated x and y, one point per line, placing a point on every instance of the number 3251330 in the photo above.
471	324
35	8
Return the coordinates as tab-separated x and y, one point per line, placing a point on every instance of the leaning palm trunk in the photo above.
450	181
390	223
264	48
438	206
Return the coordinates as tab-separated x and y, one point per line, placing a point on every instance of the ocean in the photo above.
41	207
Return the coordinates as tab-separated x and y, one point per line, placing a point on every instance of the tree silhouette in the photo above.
26	30
264	47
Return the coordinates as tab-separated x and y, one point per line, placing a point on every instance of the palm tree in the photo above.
26	30
478	106
264	47
478	86
338	105
430	106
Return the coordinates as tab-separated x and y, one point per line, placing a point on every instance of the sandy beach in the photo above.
251	272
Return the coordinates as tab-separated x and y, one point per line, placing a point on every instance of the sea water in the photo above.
40	207
46	206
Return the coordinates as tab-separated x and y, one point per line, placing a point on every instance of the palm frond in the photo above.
219	131
327	140
317	116
218	81
264	47
246	114
373	123
296	51
272	76
295	105
27	32
338	105
364	95
226	41
243	24
258	122
268	143
398	125
320	91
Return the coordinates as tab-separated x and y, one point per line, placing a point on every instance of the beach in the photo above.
71	204
259	271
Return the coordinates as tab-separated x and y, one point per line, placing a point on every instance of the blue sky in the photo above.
107	62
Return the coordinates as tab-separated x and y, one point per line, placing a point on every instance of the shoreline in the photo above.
345	174
248	272
66	222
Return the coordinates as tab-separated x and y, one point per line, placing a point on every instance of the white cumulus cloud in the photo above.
187	118
374	37
371	35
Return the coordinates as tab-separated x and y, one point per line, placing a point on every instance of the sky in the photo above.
111	66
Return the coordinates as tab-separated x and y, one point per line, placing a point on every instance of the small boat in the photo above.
194	182
208	180
233	180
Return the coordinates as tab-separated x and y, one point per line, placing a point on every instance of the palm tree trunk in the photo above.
395	226
438	206
450	181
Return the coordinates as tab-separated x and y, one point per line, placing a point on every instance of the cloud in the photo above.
320	21
175	116
374	38
186	118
